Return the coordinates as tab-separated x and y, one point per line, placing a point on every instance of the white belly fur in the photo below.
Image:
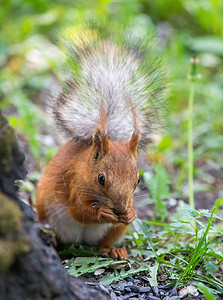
70	231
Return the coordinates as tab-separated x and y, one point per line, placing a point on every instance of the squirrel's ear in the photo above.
100	144
133	144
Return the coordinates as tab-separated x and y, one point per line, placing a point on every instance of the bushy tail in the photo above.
125	80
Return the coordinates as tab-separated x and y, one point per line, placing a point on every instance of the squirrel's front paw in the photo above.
128	217
106	215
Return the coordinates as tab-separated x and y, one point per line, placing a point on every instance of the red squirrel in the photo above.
106	110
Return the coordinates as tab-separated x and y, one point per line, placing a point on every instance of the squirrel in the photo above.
107	109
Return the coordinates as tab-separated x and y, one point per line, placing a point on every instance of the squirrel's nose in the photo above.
121	204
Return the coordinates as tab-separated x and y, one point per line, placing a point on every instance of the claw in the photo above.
116	253
105	214
128	217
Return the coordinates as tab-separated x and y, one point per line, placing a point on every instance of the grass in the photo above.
188	249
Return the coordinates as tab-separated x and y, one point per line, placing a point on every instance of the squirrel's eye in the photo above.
101	179
138	180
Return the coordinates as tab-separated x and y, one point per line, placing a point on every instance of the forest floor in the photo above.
144	208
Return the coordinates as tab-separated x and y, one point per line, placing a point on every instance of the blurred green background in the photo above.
30	58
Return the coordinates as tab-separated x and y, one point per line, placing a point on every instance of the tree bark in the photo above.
29	265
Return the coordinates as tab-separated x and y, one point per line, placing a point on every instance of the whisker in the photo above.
79	234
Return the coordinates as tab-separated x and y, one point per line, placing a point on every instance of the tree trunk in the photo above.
29	265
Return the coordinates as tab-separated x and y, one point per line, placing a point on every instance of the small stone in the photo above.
127	289
144	289
103	288
155	290
145	278
129	296
136	281
153	298
166	298
173	292
99	272
113	296
134	288
114	286
172	202
125	297
162	292
129	278
118	293
174	298
163	287
120	287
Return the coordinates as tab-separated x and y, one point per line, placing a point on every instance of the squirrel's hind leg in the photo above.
106	244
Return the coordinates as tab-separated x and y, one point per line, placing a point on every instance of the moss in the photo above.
6	254
9	249
3	121
10	217
12	243
7	139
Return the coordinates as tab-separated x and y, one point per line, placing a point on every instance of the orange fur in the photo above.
70	182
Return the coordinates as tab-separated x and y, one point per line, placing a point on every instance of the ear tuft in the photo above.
100	144
133	144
